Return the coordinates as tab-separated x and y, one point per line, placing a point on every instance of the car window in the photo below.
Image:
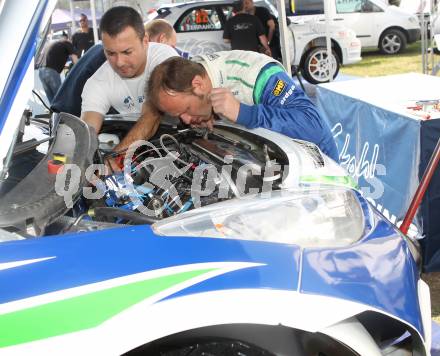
200	19
227	11
351	6
305	7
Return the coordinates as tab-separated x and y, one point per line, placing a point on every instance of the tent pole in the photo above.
72	16
327	38
95	27
283	34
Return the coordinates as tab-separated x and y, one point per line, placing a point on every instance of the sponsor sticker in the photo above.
279	87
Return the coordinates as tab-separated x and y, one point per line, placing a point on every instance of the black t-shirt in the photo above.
57	54
243	31
263	15
82	41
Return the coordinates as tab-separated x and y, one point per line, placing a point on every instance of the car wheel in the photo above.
315	67
392	41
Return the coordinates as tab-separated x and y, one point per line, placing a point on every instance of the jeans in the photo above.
51	81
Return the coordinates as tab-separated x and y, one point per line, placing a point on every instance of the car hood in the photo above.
19	28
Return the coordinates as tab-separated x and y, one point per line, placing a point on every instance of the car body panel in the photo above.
94	268
369	25
301	35
68	293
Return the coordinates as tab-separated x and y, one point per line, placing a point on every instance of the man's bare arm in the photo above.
271	25
145	127
74	58
93	119
263	41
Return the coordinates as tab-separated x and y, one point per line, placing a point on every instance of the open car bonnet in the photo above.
19	28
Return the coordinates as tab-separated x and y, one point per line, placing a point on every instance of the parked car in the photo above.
377	24
307	44
430	17
300	265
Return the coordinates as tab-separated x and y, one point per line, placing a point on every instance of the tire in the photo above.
315	69
392	41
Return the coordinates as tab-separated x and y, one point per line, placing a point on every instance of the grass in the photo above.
433	280
375	64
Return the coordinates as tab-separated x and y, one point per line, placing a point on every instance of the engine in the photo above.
178	170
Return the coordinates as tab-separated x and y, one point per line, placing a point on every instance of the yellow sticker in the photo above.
279	87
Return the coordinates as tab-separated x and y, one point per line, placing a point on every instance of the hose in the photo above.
133	216
42	101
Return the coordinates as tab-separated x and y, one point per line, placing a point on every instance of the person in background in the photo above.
245	87
161	31
83	39
245	31
269	23
120	81
56	56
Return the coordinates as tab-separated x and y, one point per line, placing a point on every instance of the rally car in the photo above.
307	42
230	242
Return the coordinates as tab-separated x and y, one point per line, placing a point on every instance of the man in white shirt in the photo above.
120	81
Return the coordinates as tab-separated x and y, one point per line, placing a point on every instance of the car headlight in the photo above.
315	218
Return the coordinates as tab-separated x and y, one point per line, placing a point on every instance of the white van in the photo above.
377	24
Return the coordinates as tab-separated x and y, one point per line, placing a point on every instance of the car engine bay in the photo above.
177	170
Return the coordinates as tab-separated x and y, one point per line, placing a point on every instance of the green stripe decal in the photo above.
262	81
238	79
82	312
240	63
345	181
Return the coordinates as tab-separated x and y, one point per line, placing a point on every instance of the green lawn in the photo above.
375	64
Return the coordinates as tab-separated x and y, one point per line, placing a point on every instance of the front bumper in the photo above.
413	35
352	52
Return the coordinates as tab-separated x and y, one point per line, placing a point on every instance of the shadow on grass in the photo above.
433	280
414	49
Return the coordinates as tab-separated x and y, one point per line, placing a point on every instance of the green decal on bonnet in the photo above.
345	181
82	312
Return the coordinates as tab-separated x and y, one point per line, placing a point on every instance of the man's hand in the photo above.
209	124
113	164
224	103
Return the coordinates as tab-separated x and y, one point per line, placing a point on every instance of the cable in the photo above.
42	101
168	151
136	218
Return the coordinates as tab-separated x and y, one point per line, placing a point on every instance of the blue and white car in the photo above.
301	264
307	42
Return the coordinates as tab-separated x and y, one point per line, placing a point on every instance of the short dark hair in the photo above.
118	18
238	5
174	74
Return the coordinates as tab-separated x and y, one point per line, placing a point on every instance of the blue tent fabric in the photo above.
430	207
435	347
